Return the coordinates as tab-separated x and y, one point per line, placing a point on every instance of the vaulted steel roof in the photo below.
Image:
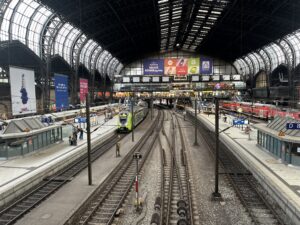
228	29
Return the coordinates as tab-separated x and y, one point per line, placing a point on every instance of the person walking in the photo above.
75	132
80	133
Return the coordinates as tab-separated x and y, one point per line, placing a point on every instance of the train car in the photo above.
262	111
125	118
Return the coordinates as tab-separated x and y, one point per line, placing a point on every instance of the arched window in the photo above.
261	80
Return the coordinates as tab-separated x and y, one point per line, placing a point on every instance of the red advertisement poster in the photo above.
182	66
84	89
170	66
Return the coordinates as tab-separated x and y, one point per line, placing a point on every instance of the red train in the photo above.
263	111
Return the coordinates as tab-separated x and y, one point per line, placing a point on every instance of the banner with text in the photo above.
182	67
84	89
22	89
170	66
206	66
194	65
61	92
153	67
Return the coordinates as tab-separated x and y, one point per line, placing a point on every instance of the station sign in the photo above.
240	122
80	120
293	126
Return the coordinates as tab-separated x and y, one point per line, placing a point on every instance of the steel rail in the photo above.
187	172
234	169
90	207
49	185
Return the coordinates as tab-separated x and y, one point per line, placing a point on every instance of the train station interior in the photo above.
159	112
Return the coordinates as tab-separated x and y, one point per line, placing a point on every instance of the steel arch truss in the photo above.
47	34
283	51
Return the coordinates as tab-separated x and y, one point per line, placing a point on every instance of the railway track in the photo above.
33	197
175	189
102	206
260	211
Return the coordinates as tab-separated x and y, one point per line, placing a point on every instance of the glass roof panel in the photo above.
25	20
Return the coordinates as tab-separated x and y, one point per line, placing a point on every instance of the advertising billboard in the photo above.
61	92
182	67
206	66
153	67
22	89
84	89
170	66
193	66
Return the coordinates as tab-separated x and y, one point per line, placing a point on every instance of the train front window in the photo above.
123	120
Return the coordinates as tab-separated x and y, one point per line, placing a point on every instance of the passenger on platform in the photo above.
74	139
70	140
224	118
80	133
75	136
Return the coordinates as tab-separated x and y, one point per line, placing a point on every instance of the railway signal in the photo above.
137	156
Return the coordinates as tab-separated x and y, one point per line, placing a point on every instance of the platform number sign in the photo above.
293	126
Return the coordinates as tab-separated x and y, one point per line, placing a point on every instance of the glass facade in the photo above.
14	147
37	27
261	80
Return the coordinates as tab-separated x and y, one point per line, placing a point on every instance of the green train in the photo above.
125	118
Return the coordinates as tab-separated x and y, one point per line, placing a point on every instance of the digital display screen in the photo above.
136	79
205	78
146	79
166	79
226	77
236	77
216	78
155	79
126	79
195	78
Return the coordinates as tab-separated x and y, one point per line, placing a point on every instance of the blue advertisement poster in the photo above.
206	65
61	91
153	67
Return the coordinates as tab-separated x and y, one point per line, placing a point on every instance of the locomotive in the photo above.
126	118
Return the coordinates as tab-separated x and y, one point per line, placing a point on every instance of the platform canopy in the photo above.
23	125
227	29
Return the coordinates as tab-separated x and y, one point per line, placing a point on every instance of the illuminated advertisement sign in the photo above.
193	66
84	89
170	66
22	89
61	92
153	67
182	67
206	66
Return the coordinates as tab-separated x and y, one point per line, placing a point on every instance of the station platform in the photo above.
280	180
61	205
20	174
